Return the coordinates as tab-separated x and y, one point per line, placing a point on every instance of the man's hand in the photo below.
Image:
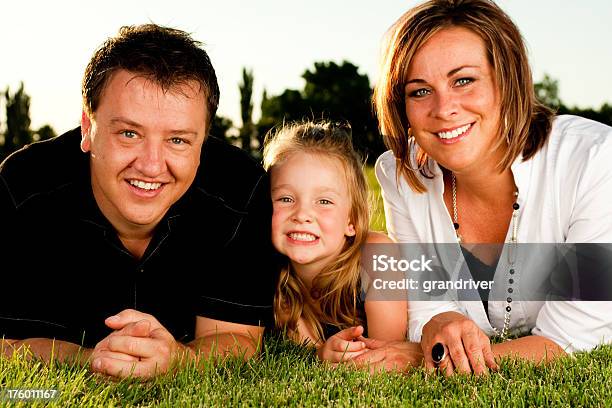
343	346
389	355
467	347
139	347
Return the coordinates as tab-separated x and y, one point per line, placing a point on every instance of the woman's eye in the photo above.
464	81
285	199
130	134
419	93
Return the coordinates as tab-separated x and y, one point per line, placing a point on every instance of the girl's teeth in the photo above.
302	237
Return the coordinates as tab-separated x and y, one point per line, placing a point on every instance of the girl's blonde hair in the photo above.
524	122
337	287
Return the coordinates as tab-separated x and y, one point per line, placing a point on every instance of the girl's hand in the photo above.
343	346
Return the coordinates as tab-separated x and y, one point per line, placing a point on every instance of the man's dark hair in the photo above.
166	56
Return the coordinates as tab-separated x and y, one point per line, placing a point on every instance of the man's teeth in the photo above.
145	186
454	133
302	236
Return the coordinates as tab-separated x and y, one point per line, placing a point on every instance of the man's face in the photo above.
145	148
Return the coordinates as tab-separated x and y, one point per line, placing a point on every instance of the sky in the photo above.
47	44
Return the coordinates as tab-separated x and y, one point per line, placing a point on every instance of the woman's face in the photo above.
452	101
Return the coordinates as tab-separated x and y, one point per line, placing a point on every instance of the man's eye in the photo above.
130	134
177	141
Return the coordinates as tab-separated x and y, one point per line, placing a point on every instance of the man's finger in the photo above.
122	369
141	328
136	346
127	316
116	356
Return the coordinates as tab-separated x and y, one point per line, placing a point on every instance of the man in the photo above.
153	246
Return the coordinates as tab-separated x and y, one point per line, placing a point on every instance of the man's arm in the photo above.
153	350
46	349
219	338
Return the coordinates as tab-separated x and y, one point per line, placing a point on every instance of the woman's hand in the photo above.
467	348
342	346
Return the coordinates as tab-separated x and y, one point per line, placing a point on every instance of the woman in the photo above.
475	158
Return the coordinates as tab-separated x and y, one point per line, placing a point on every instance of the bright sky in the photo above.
47	44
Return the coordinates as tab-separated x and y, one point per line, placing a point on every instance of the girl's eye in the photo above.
419	93
464	81
325	201
130	134
285	199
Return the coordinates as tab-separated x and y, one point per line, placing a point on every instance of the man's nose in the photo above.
151	161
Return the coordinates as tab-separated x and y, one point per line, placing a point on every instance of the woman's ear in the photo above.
350	230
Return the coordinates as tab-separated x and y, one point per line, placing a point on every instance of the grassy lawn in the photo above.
285	374
377	222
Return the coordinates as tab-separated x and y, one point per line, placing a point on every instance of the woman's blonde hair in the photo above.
524	122
337	287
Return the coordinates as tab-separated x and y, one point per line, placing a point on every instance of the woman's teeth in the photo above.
454	133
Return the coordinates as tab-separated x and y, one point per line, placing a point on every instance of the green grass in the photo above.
377	221
286	374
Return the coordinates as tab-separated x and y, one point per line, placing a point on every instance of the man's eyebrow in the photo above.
131	123
450	73
119	119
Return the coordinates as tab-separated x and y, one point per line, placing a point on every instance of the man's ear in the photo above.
85	132
350	230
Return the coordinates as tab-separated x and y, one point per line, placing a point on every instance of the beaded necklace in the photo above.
511	254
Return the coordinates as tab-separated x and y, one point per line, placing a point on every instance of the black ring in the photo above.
438	353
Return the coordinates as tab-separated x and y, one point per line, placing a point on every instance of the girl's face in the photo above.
452	101
311	204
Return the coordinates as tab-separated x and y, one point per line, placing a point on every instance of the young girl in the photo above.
320	223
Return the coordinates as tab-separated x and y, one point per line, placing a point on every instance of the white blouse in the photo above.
565	197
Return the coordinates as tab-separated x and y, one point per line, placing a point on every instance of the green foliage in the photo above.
220	126
285	374
331	91
547	92
18	132
246	109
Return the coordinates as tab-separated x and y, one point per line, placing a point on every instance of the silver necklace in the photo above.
511	254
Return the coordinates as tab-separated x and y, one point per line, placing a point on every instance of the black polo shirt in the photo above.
63	269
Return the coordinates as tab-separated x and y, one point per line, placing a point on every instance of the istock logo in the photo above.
383	263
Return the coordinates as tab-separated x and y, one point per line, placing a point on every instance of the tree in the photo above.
220	126
246	109
43	133
334	92
547	92
18	131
